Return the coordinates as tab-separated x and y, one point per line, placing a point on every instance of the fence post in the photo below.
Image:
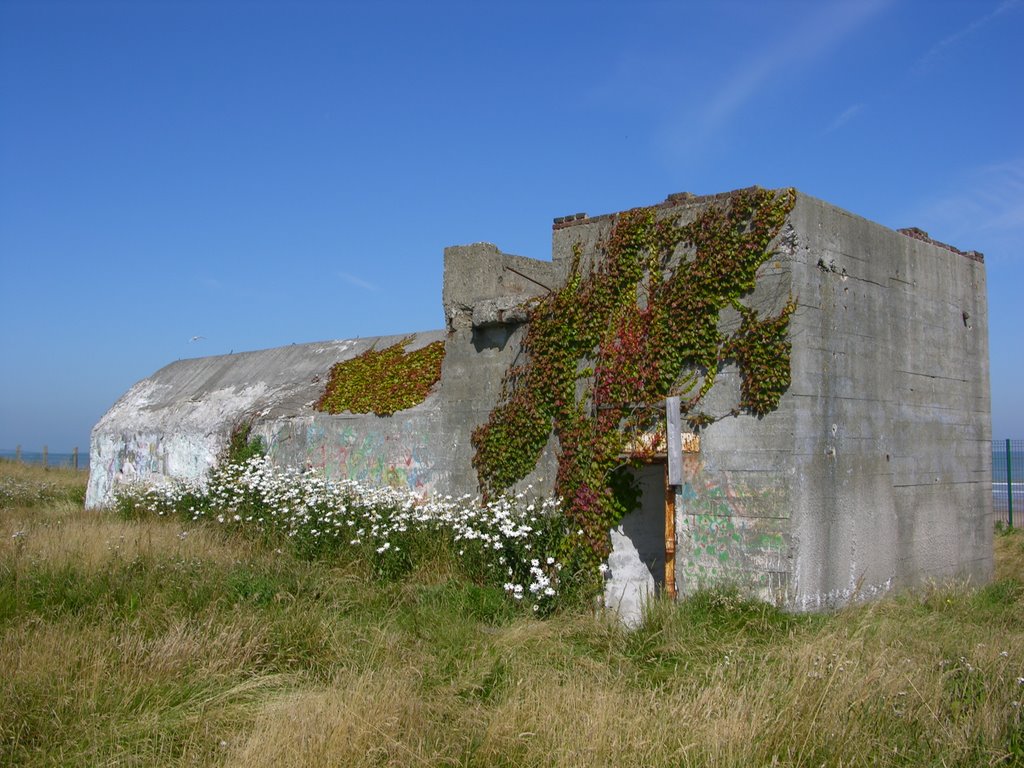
1009	485
44	457
17	454
74	457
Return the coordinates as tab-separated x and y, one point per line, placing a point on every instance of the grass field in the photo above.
153	642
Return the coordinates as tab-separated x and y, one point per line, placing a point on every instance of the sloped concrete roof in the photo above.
270	383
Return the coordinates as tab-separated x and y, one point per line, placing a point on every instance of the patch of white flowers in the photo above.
506	532
21	493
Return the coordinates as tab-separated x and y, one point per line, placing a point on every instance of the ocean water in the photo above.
1004	490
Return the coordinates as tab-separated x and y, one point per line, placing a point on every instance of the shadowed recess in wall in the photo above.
383	381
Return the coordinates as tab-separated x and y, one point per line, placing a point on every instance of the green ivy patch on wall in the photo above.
242	446
604	351
383	381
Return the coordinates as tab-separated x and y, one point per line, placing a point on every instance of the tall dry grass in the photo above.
145	643
866	689
30	485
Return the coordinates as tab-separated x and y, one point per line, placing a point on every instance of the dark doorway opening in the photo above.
645	525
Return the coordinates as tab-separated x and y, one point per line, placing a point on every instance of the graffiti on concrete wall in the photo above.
146	457
732	531
398	458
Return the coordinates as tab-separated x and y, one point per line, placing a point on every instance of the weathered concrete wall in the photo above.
486	298
892	437
873	473
733	513
177	422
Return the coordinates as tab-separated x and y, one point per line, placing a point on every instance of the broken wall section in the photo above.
486	297
175	424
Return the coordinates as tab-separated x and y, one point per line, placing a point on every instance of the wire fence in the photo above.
1008	481
75	459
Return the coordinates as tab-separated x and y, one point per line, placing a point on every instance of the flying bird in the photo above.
196	338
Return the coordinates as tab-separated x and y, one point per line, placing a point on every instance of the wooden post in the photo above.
74	457
17	454
44	457
670	537
673	477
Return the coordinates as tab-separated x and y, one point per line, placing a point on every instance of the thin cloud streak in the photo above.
847	114
971	28
922	64
1005	199
816	37
988	208
357	281
820	34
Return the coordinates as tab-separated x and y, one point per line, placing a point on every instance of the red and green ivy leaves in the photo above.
762	349
383	381
603	351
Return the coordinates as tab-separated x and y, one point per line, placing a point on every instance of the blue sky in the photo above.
262	173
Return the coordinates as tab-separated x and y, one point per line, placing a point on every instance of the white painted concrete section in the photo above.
631	583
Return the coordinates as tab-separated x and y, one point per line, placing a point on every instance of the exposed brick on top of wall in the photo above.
688	198
564	221
674	200
919	234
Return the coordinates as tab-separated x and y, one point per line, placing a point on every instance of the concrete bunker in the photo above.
871	473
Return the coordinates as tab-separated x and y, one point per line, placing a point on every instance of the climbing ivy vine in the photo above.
604	351
383	381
